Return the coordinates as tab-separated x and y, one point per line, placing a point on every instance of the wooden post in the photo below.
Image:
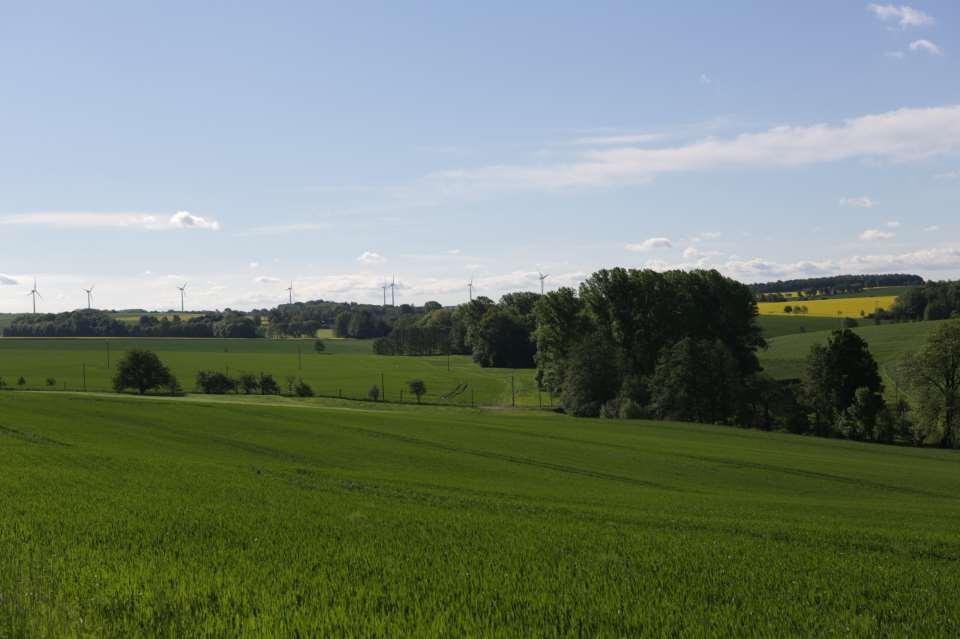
513	393
84	374
383	391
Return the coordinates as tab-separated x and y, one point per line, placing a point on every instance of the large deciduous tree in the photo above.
934	373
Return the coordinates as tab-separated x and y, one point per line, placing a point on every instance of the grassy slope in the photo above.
121	516
785	356
347	364
777	325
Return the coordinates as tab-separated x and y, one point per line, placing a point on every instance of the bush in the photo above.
610	409
51	381
140	370
374	393
268	385
302	389
215	382
248	383
319	346
21	381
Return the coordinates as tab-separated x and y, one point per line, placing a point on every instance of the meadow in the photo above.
777	325
784	357
854	307
347	367
126	516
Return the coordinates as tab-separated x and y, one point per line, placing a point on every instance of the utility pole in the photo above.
383	391
513	393
84	375
108	355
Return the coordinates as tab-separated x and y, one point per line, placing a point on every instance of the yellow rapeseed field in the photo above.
846	306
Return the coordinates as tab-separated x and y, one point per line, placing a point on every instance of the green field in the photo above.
348	367
785	355
777	325
225	516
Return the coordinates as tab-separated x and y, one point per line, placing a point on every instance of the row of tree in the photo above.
96	323
833	285
932	301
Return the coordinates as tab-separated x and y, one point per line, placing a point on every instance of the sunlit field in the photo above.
854	307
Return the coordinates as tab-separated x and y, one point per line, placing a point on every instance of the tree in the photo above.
302	389
374	393
502	340
319	346
268	384
696	380
215	382
21	381
141	370
418	388
934	374
834	373
248	383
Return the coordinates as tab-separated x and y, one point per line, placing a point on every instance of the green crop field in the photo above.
784	358
777	325
348	367
226	516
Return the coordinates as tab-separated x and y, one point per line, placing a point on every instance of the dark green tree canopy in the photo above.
141	370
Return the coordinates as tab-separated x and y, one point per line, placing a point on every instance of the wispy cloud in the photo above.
284	229
892	224
926	46
6	280
949	175
861	202
371	257
264	279
932	228
904	16
144	221
650	244
618	140
872	235
901	135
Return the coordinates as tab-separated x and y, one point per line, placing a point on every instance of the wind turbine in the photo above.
384	287
290	292
182	289
89	292
542	277
35	293
393	288
470	289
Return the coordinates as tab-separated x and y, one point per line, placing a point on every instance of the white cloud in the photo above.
6	280
263	279
892	224
617	140
254	264
283	229
872	235
926	46
90	220
705	79
371	257
904	16
902	135
186	220
949	175
862	202
932	228
650	244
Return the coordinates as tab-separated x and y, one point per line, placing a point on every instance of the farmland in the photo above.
784	357
123	516
777	325
347	367
843	306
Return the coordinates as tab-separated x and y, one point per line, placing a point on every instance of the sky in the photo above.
240	147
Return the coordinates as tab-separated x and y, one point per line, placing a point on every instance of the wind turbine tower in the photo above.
384	287
182	289
470	289
542	278
89	292
35	293
290	292
393	291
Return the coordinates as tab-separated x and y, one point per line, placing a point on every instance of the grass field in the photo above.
122	516
784	357
348	366
777	325
853	307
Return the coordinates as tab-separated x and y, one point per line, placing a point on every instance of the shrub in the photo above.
21	381
319	346
374	393
248	383
610	409
215	382
51	381
302	389
630	409
268	385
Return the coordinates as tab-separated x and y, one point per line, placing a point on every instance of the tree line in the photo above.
833	285
932	301
97	323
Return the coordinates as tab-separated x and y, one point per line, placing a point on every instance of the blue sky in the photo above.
241	146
